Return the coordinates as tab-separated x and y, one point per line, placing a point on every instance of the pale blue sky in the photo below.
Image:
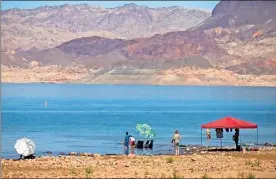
205	5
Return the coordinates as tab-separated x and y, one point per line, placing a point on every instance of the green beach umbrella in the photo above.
145	130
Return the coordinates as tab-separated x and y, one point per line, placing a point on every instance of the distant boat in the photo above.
46	103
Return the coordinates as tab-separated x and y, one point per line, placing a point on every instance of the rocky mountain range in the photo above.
48	26
246	30
239	37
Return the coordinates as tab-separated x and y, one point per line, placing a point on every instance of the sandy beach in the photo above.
257	164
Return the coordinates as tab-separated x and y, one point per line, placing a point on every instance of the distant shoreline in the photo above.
172	77
144	84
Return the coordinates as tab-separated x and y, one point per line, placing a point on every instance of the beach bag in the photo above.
151	144
140	144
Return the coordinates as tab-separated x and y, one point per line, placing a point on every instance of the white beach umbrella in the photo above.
25	147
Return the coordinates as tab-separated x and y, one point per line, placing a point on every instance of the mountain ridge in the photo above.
229	42
49	26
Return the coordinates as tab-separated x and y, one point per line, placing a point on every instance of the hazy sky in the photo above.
205	5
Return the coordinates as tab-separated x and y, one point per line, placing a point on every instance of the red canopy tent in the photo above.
229	122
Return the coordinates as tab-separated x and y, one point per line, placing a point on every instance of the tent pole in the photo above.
201	138
240	137
257	137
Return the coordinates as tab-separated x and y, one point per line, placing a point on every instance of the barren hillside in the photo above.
241	41
49	26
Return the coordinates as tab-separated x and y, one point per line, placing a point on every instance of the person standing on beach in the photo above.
176	140
208	134
126	143
236	137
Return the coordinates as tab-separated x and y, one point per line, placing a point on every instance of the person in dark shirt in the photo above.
236	137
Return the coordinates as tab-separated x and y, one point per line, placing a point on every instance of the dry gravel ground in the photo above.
261	164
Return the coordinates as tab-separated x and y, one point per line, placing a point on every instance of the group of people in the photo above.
220	135
129	142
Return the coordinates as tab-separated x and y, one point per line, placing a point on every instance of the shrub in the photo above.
205	176
251	176
88	171
170	160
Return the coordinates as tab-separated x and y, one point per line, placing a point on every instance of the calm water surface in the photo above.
94	118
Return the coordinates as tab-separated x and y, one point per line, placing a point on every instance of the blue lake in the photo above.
94	118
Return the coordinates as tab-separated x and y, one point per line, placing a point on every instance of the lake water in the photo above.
94	118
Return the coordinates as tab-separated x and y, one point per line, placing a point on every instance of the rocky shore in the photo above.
183	76
254	164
